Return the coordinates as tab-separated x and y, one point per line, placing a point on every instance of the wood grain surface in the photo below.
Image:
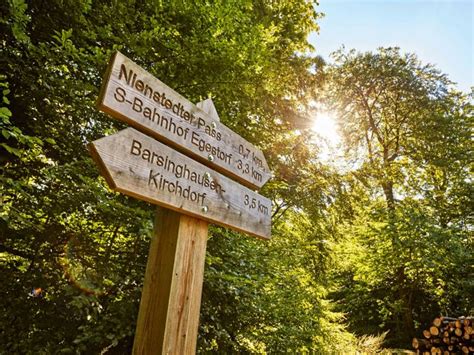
168	319
139	166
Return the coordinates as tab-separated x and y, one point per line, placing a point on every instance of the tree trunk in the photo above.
388	192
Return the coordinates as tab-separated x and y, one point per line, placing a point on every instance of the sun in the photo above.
327	138
326	127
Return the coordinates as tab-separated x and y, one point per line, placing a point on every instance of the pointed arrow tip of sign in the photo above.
100	163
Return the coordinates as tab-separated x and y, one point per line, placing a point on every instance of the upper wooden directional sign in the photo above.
139	166
133	95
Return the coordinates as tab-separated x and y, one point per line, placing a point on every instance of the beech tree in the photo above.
384	245
72	252
405	126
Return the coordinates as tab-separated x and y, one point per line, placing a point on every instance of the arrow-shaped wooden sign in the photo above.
139	166
131	94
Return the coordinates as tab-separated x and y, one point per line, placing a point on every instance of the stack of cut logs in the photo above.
447	336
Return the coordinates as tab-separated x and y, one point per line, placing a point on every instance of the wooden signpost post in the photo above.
190	193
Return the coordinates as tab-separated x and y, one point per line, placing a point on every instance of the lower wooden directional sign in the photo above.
140	166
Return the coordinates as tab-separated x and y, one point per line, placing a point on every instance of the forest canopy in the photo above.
380	246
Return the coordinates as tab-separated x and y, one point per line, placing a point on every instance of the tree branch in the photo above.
22	254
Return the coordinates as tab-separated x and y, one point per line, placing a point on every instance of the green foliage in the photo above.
253	291
407	242
73	253
387	240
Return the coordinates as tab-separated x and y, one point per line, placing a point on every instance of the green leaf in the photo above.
11	150
5	112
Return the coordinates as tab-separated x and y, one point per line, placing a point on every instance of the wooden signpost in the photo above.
190	194
139	166
136	97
